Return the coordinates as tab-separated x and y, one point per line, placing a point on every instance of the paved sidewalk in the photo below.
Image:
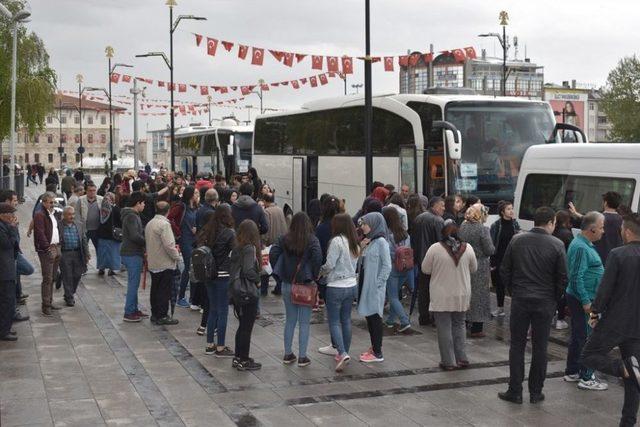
86	367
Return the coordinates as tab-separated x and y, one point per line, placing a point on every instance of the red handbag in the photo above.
304	294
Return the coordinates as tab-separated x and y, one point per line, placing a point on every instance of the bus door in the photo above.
311	179
297	184
433	172
408	168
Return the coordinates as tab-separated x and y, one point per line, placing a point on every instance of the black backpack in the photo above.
203	265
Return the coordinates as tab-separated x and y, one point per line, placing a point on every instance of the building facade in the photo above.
159	141
57	144
483	74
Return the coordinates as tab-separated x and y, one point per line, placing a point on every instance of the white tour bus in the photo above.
580	173
436	144
223	148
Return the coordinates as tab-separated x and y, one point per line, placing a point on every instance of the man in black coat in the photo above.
247	208
616	314
8	255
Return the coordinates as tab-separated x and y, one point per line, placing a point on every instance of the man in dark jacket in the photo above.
534	272
132	253
150	200
47	243
426	231
68	184
211	201
615	311
247	208
74	253
8	255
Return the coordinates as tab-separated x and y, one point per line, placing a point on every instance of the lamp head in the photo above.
79	78
504	18
22	15
108	52
171	3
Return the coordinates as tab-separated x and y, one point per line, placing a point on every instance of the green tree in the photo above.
36	80
621	100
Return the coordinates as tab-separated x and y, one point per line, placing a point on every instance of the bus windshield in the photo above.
494	139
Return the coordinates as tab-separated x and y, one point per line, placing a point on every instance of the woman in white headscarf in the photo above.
109	235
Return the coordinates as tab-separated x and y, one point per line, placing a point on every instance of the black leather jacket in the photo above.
221	248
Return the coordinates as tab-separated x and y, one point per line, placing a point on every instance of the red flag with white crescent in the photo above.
182	87
234	88
303	80
160	83
246	90
332	64
242	51
295	84
115	77
204	90
224	89
300	57
227	45
323	79
212	46
288	59
285	83
347	65
264	86
459	55
413	59
403	60
194	86
277	54
471	52
275	84
427	57
316	62
126	79
258	56
198	39
314	81
388	63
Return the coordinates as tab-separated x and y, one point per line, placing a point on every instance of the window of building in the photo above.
592	106
77	158
76	138
49	138
36	138
103	119
50	158
90	154
26	157
63	119
104	155
76	119
49	120
63	138
90	120
103	138
556	191
36	157
602	120
90	138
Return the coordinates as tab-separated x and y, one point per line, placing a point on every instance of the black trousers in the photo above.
161	293
536	313
7	305
374	324
246	318
423	298
595	355
497	282
71	268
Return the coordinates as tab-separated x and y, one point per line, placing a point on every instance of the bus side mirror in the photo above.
454	144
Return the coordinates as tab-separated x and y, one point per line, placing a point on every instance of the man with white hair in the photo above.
211	201
74	253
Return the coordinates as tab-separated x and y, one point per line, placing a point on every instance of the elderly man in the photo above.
74	254
68	183
211	201
163	259
47	243
8	255
88	214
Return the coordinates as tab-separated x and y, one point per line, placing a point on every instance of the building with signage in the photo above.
483	74
159	141
57	144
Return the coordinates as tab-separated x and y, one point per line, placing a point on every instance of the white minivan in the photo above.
554	175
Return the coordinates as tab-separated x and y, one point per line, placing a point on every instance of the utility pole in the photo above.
368	103
61	148
135	91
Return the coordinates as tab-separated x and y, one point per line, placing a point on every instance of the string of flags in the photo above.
333	64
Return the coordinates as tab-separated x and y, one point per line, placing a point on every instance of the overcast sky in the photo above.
572	39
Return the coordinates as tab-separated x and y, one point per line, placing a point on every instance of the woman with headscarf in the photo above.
450	263
374	268
109	235
477	235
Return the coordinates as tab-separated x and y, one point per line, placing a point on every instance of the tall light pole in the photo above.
135	92
79	79
368	103
16	19
209	109
356	87
109	54
504	43
260	94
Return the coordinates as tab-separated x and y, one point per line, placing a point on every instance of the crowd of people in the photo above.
210	245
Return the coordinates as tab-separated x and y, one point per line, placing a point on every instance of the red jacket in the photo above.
175	217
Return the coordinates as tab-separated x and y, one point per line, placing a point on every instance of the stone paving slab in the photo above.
86	367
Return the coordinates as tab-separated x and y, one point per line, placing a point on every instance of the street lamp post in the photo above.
504	21
79	79
209	109
368	106
17	18
260	95
356	87
61	148
109	53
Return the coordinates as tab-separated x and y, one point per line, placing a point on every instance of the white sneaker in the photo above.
592	384
561	324
195	307
329	350
573	378
498	313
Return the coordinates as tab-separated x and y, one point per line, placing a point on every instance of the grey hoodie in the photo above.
132	233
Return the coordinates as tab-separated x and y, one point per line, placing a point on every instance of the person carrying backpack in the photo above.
219	236
401	267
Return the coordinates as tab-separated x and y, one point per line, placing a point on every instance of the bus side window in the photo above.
428	114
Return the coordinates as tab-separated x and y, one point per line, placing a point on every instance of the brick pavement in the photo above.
86	367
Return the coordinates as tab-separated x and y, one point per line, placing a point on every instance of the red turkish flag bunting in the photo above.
264	86
183	109
212	45
258	56
300	57
198	39
246	90
403	60
160	84
277	54
295	84
316	62
303	80
388	63
227	45
224	89
347	65
375	59
427	57
275	84
413	59
323	79
204	90
126	79
332	64
182	87
471	52
242	51
288	59
314	81
459	55
234	88
332	74
194	86
115	77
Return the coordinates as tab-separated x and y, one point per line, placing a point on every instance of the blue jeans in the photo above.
339	302
218	309
580	330
187	248
134	270
412	277
23	266
396	311
295	314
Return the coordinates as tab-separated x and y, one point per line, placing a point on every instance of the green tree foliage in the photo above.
621	100
36	80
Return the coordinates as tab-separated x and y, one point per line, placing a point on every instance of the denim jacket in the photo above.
340	263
